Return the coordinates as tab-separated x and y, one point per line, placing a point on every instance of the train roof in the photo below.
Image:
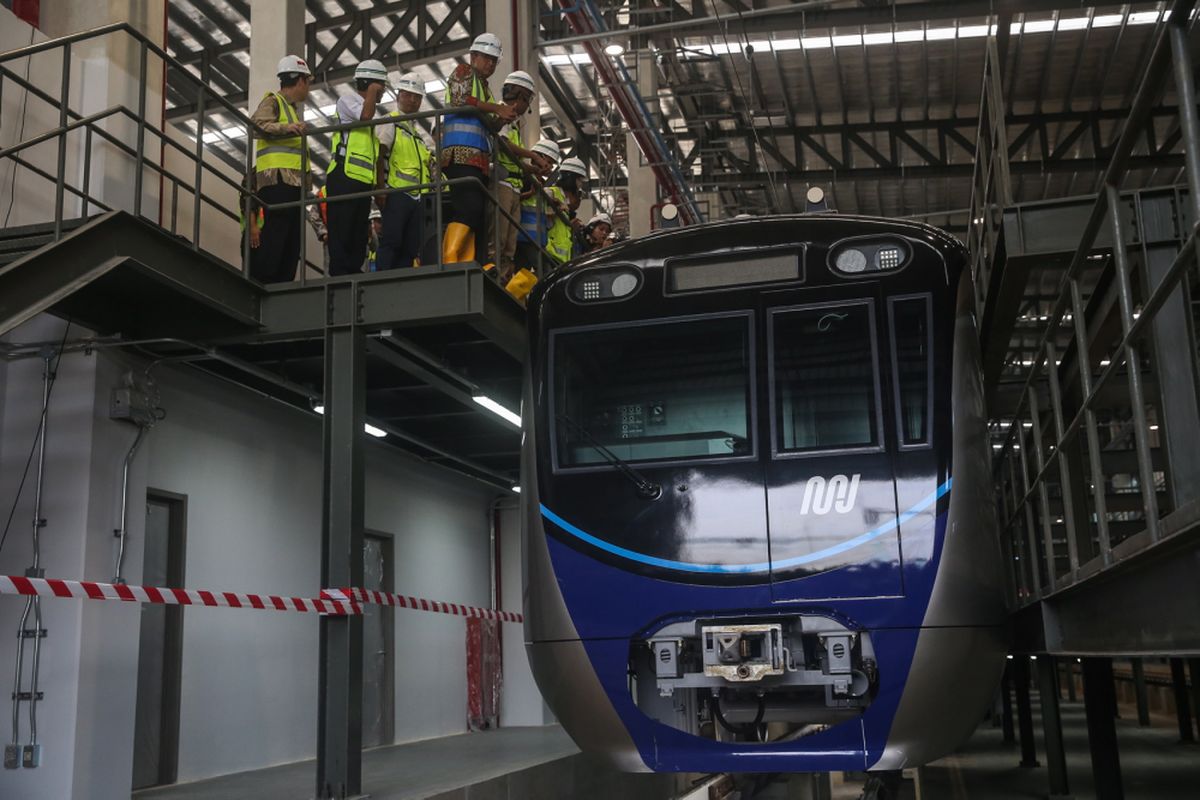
779	230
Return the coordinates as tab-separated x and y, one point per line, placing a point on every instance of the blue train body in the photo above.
757	506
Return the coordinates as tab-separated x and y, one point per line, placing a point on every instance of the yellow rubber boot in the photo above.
468	251
453	243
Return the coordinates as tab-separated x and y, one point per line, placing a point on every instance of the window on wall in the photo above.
912	364
659	392
825	378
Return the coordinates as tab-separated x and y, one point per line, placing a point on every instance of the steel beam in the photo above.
340	679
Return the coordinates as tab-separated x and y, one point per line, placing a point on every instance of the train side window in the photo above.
825	385
912	366
681	389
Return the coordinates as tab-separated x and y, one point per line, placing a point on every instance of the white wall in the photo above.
250	469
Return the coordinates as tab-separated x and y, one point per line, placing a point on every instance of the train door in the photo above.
831	500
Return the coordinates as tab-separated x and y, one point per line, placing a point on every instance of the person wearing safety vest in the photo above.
466	147
568	193
353	168
280	175
408	164
517	92
536	212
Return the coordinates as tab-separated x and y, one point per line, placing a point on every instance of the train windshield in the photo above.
654	392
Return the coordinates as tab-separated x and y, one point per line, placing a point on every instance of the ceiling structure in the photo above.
876	102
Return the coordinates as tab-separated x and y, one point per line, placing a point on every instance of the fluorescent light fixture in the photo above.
500	411
368	428
614	50
516	490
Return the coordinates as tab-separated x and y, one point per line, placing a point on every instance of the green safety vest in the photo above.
515	175
280	153
559	236
408	164
358	155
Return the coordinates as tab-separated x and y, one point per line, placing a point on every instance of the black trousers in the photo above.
403	231
347	223
278	251
469	201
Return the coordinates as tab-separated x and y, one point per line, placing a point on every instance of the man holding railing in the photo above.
466	147
279	176
408	164
353	170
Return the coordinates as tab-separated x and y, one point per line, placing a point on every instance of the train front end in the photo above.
756	499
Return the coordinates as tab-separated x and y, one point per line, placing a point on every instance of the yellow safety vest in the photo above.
408	164
358	155
559	236
515	176
280	153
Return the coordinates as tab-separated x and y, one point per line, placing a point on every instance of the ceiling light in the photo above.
516	490
614	50
497	409
368	428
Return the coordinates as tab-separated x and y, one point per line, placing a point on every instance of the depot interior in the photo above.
153	430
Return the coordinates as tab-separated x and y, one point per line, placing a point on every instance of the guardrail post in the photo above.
140	168
199	166
1083	360
339	737
60	175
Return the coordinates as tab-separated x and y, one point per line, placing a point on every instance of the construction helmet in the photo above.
574	165
547	148
411	82
488	44
371	70
292	64
375	214
600	218
521	79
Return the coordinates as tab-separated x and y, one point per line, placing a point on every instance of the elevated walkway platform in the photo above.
437	336
505	763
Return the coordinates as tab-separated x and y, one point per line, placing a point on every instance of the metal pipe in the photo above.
38	522
62	142
124	529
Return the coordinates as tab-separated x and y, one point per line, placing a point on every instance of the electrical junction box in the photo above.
136	401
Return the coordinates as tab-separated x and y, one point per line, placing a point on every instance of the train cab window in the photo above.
825	382
657	392
911	364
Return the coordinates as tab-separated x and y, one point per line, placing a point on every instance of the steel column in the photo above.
1194	674
1006	706
1100	704
1183	710
1020	674
1056	758
1139	691
339	737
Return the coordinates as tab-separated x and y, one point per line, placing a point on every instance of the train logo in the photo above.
837	494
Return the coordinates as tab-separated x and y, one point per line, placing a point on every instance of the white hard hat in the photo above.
411	82
292	64
601	217
488	44
371	70
574	165
375	214
520	78
548	148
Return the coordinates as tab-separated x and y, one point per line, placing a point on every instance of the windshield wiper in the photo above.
645	487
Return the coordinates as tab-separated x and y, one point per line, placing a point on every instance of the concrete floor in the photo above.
543	763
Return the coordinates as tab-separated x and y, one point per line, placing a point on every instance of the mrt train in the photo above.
757	503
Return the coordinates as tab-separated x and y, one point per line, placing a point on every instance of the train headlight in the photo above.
868	254
851	260
605	284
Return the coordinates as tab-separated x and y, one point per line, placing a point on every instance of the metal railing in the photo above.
1092	474
92	128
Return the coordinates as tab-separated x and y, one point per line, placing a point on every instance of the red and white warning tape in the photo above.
331	601
418	604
